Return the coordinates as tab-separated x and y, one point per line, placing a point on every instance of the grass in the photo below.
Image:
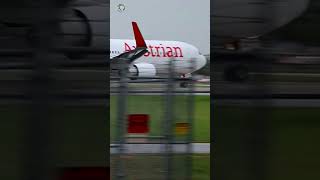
75	135
155	107
136	166
201	167
292	143
145	167
75	138
292	150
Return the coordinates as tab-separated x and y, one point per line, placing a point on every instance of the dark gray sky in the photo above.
179	20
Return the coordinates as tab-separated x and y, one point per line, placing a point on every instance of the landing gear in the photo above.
184	84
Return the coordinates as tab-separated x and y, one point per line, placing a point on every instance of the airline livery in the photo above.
150	58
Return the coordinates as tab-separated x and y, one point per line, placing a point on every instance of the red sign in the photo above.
138	123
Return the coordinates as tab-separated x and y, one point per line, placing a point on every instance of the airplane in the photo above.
251	19
150	58
235	26
257	23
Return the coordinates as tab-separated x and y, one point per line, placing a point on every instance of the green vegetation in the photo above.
145	167
136	166
75	137
291	152
201	167
155	107
292	148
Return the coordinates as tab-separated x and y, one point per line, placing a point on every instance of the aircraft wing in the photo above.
140	50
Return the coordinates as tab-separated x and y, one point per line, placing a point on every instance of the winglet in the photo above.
138	36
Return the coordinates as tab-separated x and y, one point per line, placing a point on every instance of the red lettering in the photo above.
176	49
158	51
169	52
147	54
150	47
163	51
157	48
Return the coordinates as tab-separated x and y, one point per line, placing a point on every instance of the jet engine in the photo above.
143	70
84	27
74	29
79	26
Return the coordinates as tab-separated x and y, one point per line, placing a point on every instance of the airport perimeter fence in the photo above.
152	124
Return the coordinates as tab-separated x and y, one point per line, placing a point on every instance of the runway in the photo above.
196	148
266	88
280	88
199	89
308	103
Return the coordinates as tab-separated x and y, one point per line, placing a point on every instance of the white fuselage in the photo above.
160	53
236	19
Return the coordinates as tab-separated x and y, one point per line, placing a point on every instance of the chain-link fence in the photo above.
157	144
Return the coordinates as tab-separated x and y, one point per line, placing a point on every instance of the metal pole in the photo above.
190	118
168	121
122	104
38	157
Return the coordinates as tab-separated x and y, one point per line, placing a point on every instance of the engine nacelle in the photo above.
72	26
143	70
81	27
75	30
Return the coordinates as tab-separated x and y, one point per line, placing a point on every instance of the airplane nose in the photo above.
201	62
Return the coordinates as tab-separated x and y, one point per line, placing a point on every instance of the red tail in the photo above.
138	36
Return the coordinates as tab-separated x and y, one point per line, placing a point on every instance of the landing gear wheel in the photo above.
184	84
